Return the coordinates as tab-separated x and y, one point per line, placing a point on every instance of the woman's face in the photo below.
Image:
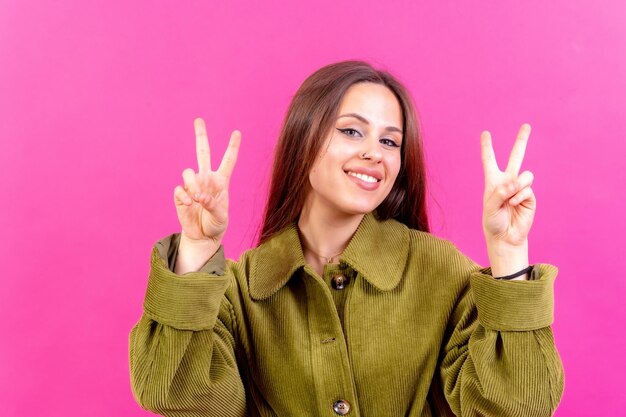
360	159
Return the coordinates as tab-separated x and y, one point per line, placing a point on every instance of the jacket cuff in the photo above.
515	305
190	301
168	249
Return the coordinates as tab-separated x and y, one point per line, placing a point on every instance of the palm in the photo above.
202	204
509	203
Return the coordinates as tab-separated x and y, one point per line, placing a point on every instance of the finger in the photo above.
519	149
501	194
191	184
525	194
181	196
207	201
203	152
490	165
230	156
525	179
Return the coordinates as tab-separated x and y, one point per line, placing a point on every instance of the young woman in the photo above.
348	306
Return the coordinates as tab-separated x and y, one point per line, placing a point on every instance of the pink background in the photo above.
97	101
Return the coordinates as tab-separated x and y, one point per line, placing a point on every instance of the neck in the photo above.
325	235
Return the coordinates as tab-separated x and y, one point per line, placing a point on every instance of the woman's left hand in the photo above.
508	206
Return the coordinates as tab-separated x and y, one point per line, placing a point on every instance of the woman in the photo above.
347	306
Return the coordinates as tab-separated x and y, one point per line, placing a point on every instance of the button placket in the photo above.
339	278
334	382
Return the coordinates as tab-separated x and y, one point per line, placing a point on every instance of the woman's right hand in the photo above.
202	203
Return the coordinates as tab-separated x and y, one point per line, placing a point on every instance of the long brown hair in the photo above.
310	118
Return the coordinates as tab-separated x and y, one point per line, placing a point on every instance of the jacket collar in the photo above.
378	251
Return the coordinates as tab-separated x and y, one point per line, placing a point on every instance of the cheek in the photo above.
313	177
317	168
394	167
317	176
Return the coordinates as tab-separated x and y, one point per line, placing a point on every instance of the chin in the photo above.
361	207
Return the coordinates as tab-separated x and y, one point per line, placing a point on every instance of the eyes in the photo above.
353	133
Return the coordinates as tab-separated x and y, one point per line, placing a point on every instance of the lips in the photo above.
365	178
369	172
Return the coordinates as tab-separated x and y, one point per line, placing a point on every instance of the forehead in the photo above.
375	102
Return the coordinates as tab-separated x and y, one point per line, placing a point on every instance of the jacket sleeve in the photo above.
182	360
500	358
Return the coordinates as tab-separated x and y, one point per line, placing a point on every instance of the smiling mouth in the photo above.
363	177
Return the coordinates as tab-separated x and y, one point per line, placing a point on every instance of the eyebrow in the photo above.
364	120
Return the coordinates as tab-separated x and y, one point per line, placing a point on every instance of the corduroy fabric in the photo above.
419	330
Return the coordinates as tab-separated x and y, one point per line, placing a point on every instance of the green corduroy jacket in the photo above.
418	330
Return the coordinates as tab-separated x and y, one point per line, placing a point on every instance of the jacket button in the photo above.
341	407
339	282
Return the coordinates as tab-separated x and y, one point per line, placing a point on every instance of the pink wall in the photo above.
97	101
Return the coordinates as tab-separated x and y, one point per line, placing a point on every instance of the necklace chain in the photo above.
329	260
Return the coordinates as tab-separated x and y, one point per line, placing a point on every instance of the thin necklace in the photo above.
329	260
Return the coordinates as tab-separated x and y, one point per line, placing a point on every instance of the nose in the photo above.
371	150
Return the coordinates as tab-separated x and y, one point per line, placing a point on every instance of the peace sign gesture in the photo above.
202	204
509	203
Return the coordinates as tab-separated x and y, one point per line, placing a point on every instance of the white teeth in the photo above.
363	177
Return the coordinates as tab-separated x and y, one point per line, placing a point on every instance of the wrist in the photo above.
194	253
506	259
520	275
194	242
